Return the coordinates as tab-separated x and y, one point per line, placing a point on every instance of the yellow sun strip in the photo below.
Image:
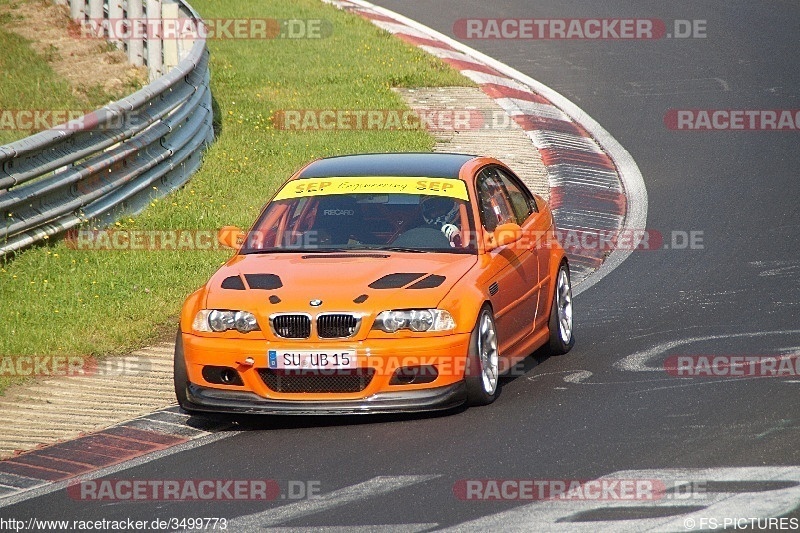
449	187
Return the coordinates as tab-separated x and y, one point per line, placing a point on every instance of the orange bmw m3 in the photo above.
377	283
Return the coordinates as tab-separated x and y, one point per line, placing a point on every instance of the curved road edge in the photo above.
634	191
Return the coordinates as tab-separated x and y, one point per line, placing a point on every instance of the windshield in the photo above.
314	220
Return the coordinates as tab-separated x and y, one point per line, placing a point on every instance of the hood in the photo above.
367	282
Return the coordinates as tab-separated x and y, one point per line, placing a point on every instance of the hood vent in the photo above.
233	283
430	282
395	281
267	282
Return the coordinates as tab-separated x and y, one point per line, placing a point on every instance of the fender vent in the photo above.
493	288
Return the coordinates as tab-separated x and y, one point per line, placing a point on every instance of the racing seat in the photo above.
338	220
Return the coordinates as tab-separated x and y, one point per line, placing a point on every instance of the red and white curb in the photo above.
53	467
595	185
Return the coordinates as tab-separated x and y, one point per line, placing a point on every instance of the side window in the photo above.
522	201
495	205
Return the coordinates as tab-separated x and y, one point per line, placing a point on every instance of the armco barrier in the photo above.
110	162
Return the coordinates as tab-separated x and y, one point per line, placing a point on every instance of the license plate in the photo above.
314	360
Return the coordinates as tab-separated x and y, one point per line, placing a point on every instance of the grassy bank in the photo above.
27	81
43	68
58	300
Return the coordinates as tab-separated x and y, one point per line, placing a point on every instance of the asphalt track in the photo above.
608	408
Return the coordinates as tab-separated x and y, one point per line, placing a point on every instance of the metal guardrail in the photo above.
110	162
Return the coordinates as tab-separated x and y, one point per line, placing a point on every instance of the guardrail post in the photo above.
77	10
154	35
96	17
115	15
191	28
171	12
137	29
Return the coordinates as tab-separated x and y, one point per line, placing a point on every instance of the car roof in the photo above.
432	165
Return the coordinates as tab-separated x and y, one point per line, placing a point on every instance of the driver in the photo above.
442	213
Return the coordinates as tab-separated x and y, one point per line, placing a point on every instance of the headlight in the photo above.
218	320
221	320
415	320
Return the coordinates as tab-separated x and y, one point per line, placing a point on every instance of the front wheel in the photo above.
483	361
179	375
562	338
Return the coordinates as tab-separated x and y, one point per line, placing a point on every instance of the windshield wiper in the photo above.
349	249
273	251
311	250
403	249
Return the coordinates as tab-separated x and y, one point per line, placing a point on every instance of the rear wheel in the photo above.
483	361
562	338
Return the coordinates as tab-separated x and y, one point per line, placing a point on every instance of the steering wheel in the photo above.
422	237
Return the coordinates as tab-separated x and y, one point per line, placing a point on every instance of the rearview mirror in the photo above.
231	237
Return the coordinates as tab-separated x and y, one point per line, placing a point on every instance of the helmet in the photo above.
438	210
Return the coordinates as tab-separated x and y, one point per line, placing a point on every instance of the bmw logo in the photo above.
315	303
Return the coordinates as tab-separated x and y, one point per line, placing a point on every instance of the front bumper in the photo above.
382	357
402	401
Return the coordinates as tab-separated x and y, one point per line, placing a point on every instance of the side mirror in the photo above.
231	237
506	234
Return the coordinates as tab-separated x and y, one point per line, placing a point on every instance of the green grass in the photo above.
28	82
57	300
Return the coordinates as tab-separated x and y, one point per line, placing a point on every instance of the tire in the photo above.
562	336
179	376
482	370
